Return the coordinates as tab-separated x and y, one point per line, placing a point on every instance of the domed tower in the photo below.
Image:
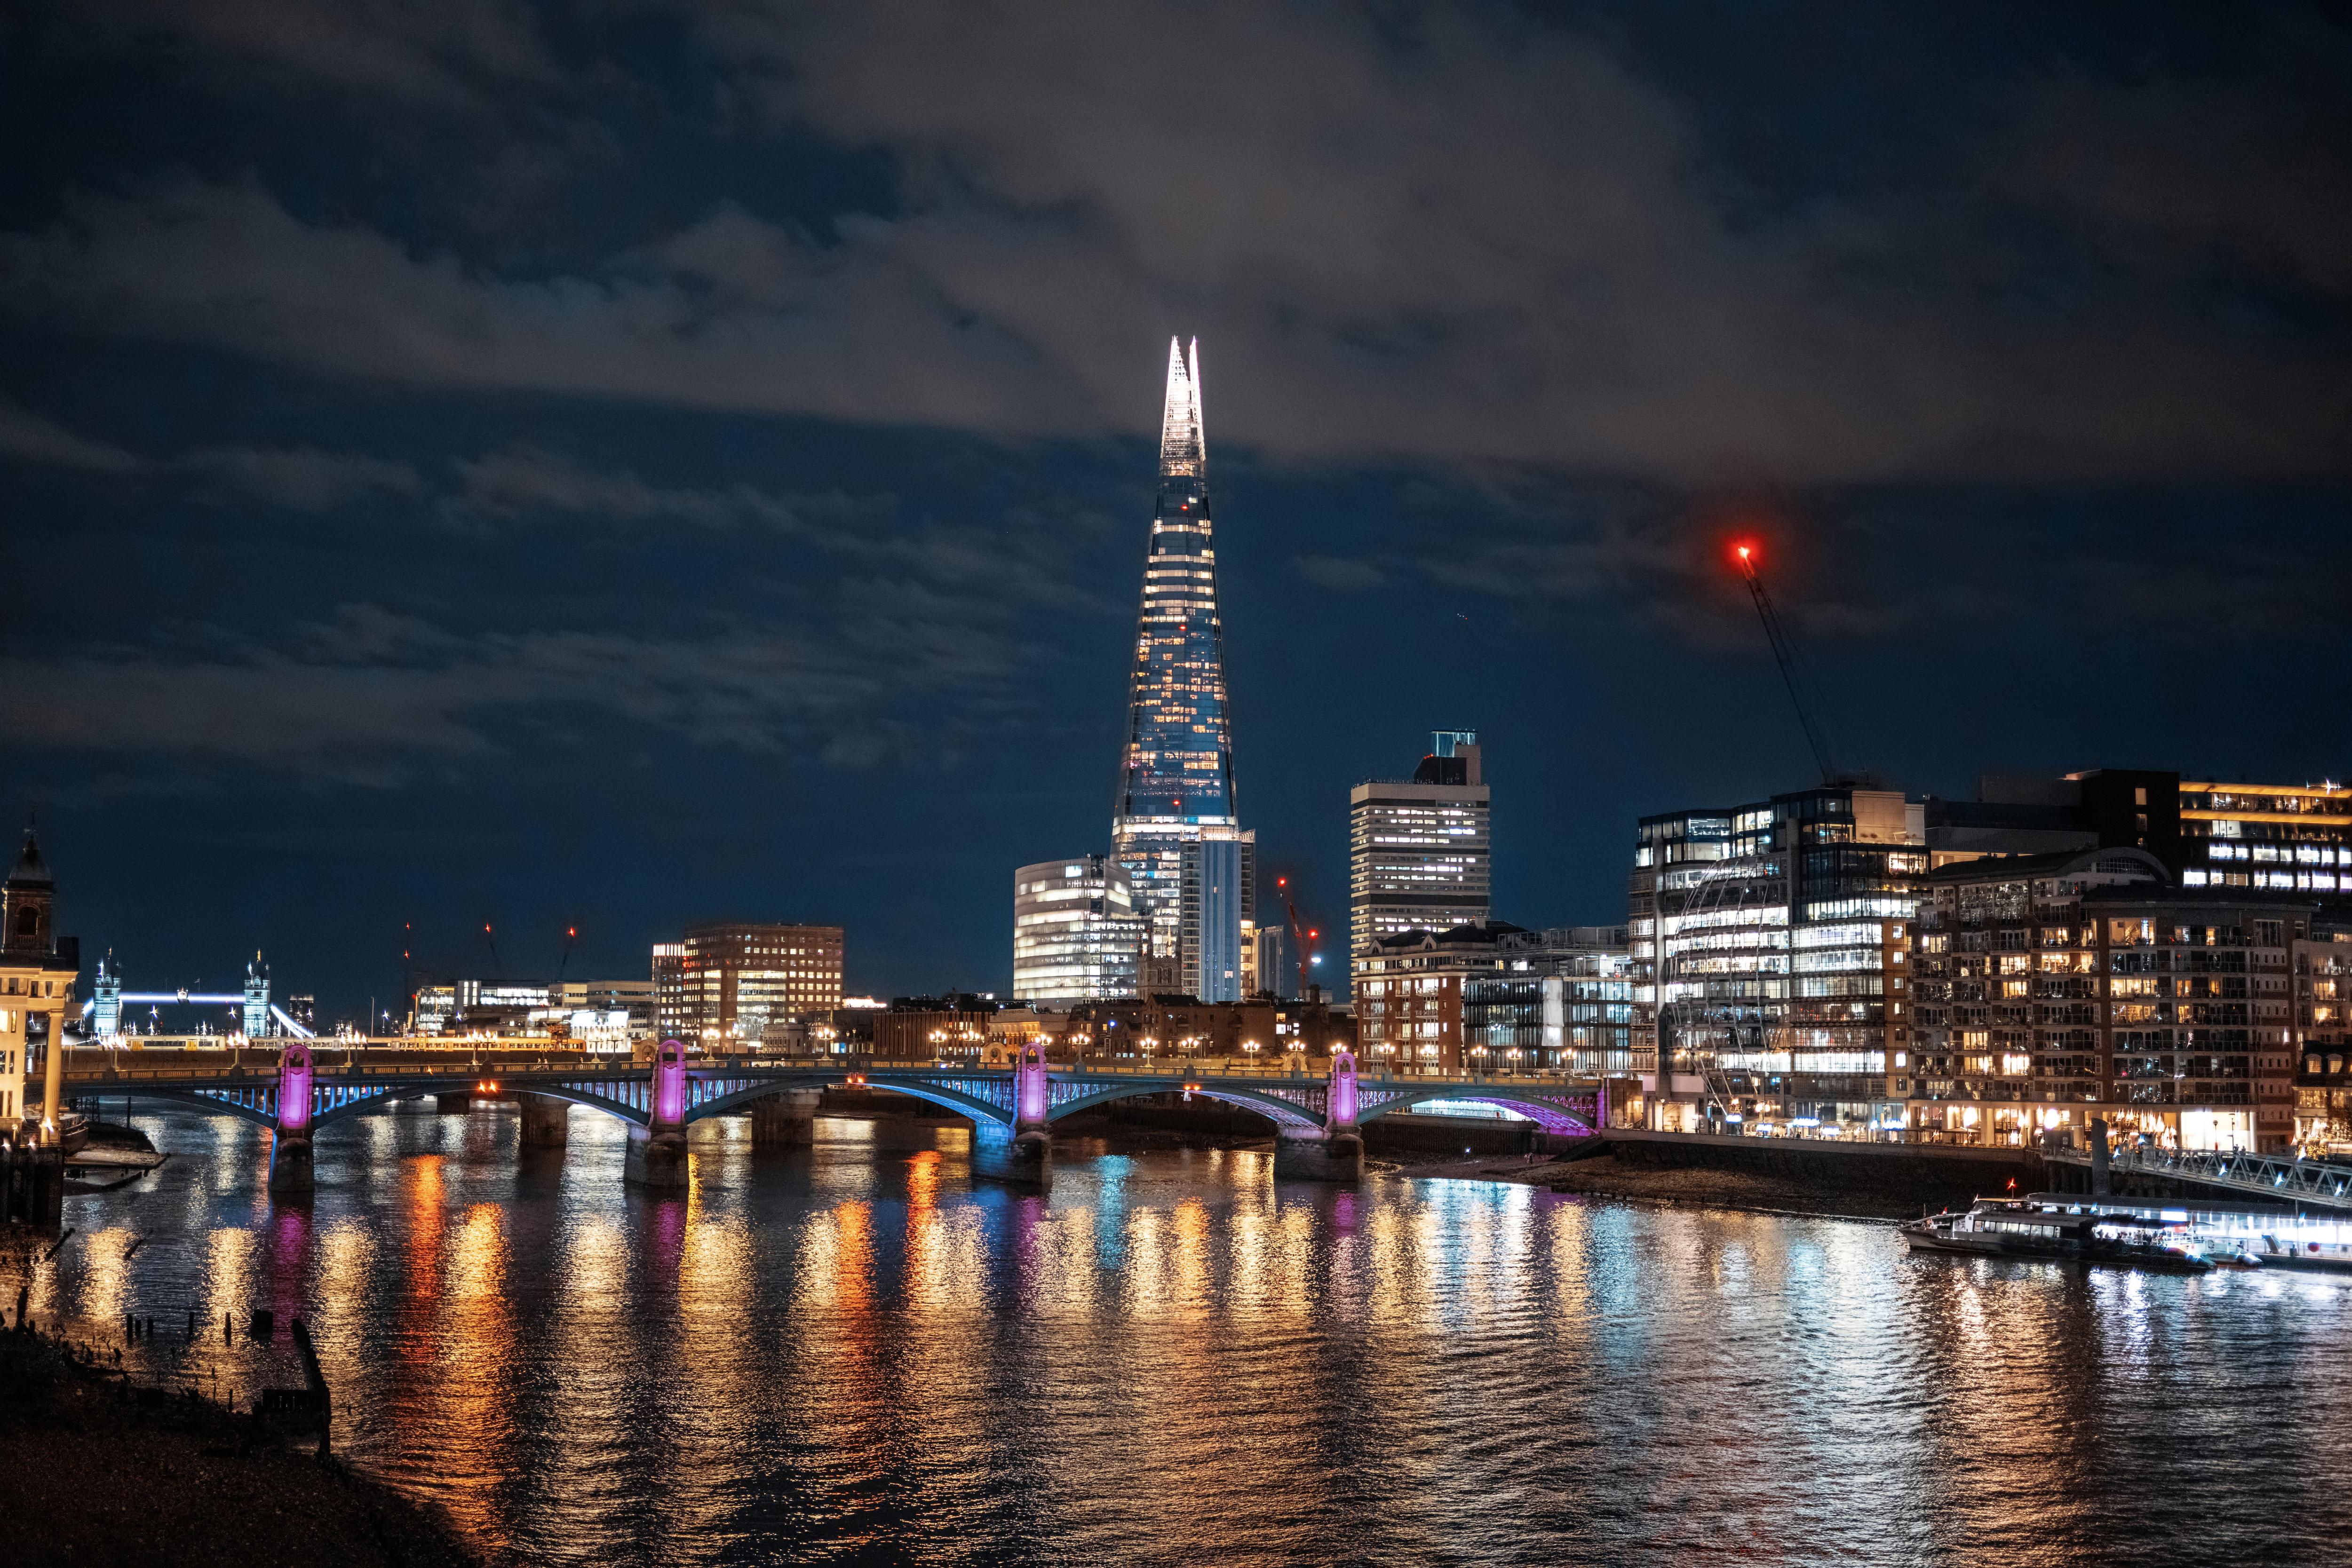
29	903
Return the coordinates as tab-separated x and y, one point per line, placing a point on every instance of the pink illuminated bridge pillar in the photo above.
289	1140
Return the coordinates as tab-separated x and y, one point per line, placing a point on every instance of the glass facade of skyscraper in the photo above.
1176	773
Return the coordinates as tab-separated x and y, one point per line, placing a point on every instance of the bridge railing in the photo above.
86	1064
2273	1176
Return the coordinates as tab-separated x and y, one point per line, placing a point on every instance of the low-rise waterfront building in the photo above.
922	1029
1497	997
2052	989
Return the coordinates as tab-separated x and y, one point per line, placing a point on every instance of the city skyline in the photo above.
400	587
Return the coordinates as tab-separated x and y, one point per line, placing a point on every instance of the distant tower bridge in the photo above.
257	1014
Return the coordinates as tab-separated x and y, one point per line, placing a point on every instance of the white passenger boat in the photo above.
2013	1228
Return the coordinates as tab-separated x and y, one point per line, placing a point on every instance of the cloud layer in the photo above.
1448	235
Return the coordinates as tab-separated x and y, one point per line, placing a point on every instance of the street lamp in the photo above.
1250	1046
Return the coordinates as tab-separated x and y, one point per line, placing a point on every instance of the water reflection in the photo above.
1173	1358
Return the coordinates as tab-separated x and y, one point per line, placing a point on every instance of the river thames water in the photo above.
856	1354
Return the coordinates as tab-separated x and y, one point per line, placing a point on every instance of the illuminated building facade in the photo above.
671	1018
1420	850
2322	965
1498	998
1076	935
38	970
1176	772
1770	946
2282	838
2286	838
2051	989
737	976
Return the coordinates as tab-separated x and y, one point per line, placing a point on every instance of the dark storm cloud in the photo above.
28	437
1448	235
370	695
452	54
303	479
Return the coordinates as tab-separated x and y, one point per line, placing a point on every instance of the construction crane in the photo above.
1300	932
1785	650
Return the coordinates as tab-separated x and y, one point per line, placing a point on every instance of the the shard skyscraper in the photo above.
1176	826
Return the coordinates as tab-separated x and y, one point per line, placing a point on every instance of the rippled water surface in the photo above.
854	1353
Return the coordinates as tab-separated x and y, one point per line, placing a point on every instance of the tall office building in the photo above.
1420	849
671	1018
1176	775
1076	936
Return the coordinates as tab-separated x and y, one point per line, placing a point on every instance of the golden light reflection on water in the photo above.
468	1399
1171	1355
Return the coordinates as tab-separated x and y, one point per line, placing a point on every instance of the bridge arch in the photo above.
193	1099
610	1107
939	1095
1280	1111
1554	1113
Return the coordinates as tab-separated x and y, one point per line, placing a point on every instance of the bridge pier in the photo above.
289	1161
1334	1151
546	1121
656	1157
1020	1155
289	1140
786	1120
1018	1158
1316	1154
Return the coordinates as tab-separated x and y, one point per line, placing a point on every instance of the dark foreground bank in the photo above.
92	1474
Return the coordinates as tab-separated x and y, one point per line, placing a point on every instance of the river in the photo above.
856	1354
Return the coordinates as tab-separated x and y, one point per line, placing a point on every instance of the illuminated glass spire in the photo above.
1176	776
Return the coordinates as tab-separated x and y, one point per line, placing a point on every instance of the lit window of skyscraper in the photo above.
1176	776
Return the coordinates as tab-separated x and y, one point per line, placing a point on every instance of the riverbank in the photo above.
94	1472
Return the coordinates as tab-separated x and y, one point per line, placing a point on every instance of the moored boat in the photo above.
2009	1228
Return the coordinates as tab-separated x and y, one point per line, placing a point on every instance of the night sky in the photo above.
622	464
